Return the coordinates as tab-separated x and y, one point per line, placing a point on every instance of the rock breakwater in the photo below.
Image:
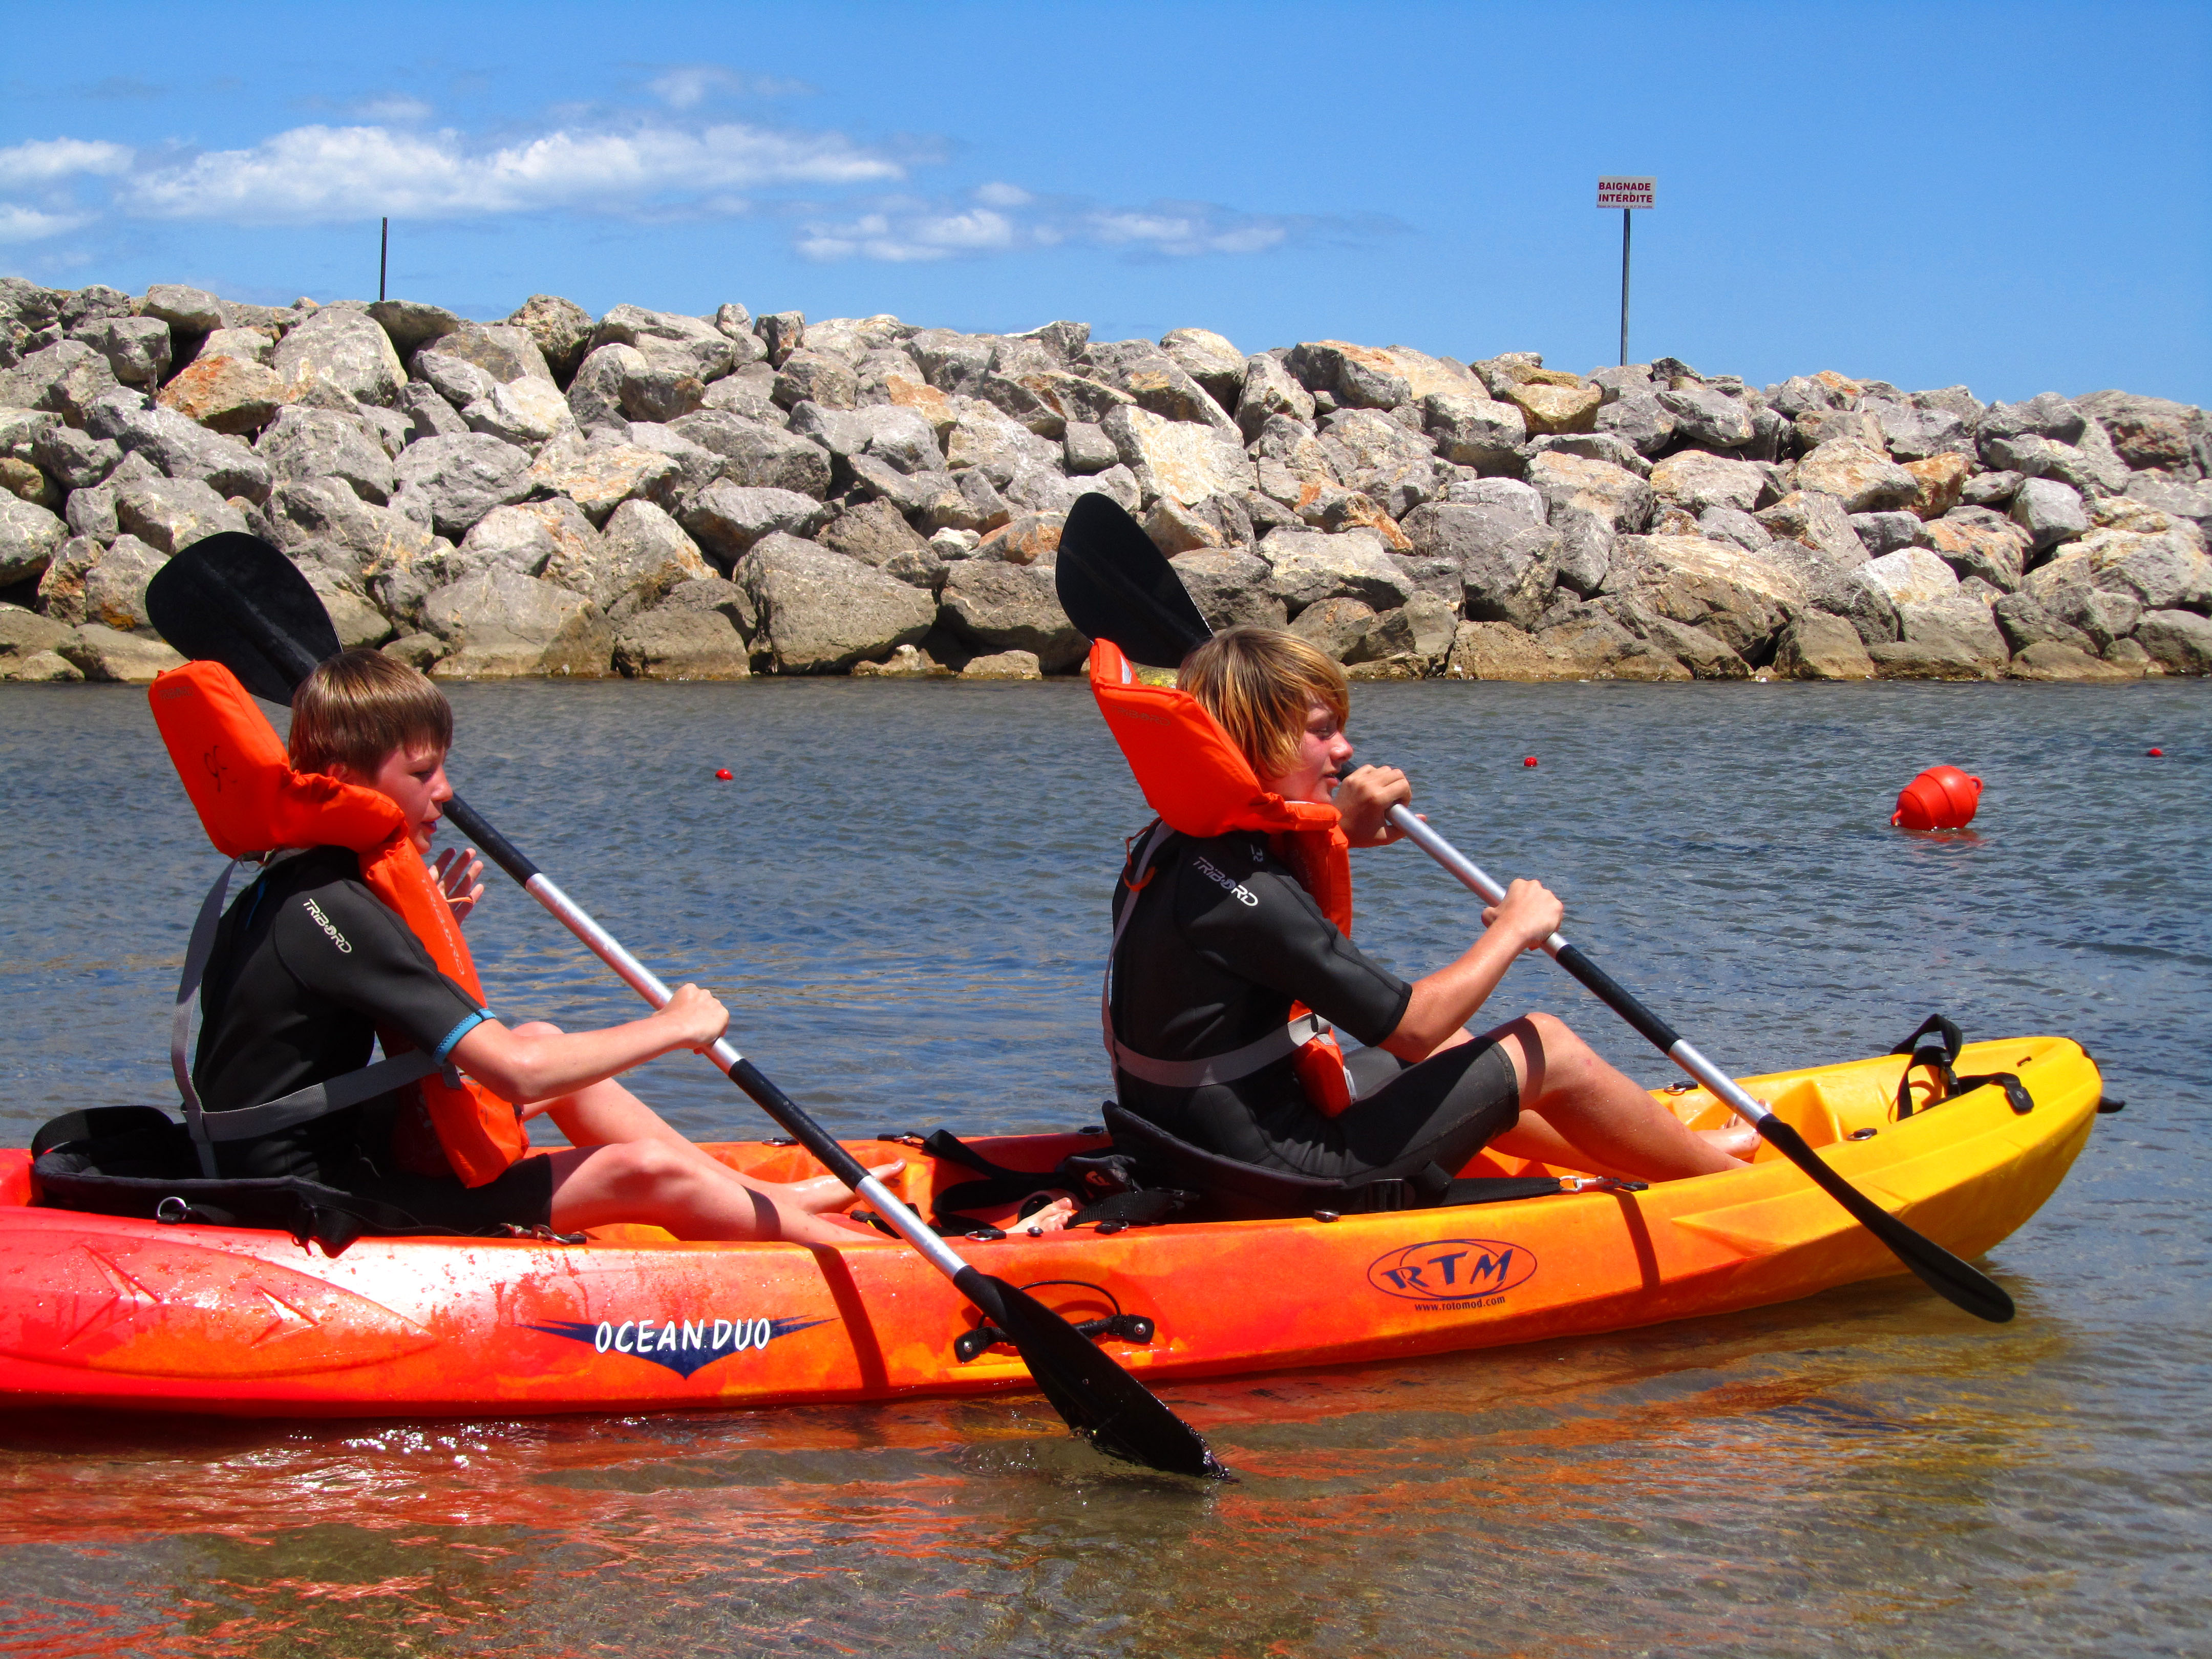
665	496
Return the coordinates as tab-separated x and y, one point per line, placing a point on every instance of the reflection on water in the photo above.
901	895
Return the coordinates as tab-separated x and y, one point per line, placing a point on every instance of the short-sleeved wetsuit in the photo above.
307	964
1224	939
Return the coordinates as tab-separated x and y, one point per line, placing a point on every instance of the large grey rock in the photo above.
100	653
690	344
136	347
1864	479
953	362
618	383
461	479
2067	589
1976	542
1885	533
696	466
2165	569
502	625
1728	524
999	607
455	379
2025	622
1640	421
2049	512
2180	501
562	329
1493	548
816	377
186	310
506	352
327	512
2152	431
180	448
113	593
1914	434
1306	567
527	413
1618	497
2179	642
226	393
1086	449
73	458
1695	480
316	443
675	642
1821	648
522	539
343	349
822	612
901	436
1177	458
1707	417
1741	599
248	344
758	454
411	324
2045	416
1269	390
640	557
171	513
1474	431
1210	360
729	518
987	438
25	633
877	534
1816	521
600	479
65	378
29	537
1156	382
1591	447
21	430
1231	586
428	415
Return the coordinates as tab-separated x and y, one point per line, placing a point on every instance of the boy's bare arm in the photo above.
525	1069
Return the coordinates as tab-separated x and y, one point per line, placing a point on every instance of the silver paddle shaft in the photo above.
1662	1037
647	984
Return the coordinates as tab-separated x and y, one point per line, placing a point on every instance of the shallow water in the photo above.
902	895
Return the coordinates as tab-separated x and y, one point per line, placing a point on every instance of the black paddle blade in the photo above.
1115	584
1957	1282
234	600
1102	1402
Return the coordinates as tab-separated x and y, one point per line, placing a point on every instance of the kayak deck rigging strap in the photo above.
1940	1058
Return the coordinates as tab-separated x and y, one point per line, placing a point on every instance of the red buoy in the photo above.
1531	760
2154	753
722	776
1942	797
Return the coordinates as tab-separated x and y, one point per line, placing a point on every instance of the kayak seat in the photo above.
1231	1191
138	1161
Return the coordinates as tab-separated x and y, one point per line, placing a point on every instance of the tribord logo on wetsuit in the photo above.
684	1346
1244	895
1453	1270
326	924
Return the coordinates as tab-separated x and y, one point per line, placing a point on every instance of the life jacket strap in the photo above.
301	1105
1277	1045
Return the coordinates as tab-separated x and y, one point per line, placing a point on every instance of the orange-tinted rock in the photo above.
225	394
1940	479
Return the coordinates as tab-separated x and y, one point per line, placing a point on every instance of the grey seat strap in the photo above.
301	1105
1213	1068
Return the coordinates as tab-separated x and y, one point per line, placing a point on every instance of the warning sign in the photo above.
1627	192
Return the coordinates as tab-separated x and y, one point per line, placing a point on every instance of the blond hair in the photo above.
360	707
1260	684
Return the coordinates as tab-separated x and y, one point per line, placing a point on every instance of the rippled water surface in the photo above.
903	894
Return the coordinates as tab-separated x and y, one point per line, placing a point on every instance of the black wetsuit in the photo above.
307	964
1224	939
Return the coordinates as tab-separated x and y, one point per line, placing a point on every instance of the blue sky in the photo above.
2010	196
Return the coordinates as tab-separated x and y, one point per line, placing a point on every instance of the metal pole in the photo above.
384	256
1625	217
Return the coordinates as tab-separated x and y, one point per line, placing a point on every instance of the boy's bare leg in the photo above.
607	1115
1589	1115
654	1183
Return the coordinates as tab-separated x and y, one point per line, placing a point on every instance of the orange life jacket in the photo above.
251	801
1201	784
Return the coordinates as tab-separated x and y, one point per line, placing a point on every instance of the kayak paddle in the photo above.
1115	584
234	600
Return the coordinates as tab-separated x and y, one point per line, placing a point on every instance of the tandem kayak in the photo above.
141	1316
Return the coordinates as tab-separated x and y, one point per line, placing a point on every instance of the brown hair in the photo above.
360	707
1260	683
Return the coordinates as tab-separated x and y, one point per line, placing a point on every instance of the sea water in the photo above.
901	894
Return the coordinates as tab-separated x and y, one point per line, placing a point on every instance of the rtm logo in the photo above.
683	1346
1452	1270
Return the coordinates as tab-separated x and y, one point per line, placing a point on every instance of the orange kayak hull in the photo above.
140	1315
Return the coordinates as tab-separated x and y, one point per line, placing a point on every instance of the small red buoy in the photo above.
722	776
1531	760
1942	797
2154	754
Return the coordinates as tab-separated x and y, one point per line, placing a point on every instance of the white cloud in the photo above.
319	173
60	158
393	106
22	224
1006	218
688	85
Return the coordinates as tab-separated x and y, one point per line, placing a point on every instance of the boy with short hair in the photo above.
309	965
